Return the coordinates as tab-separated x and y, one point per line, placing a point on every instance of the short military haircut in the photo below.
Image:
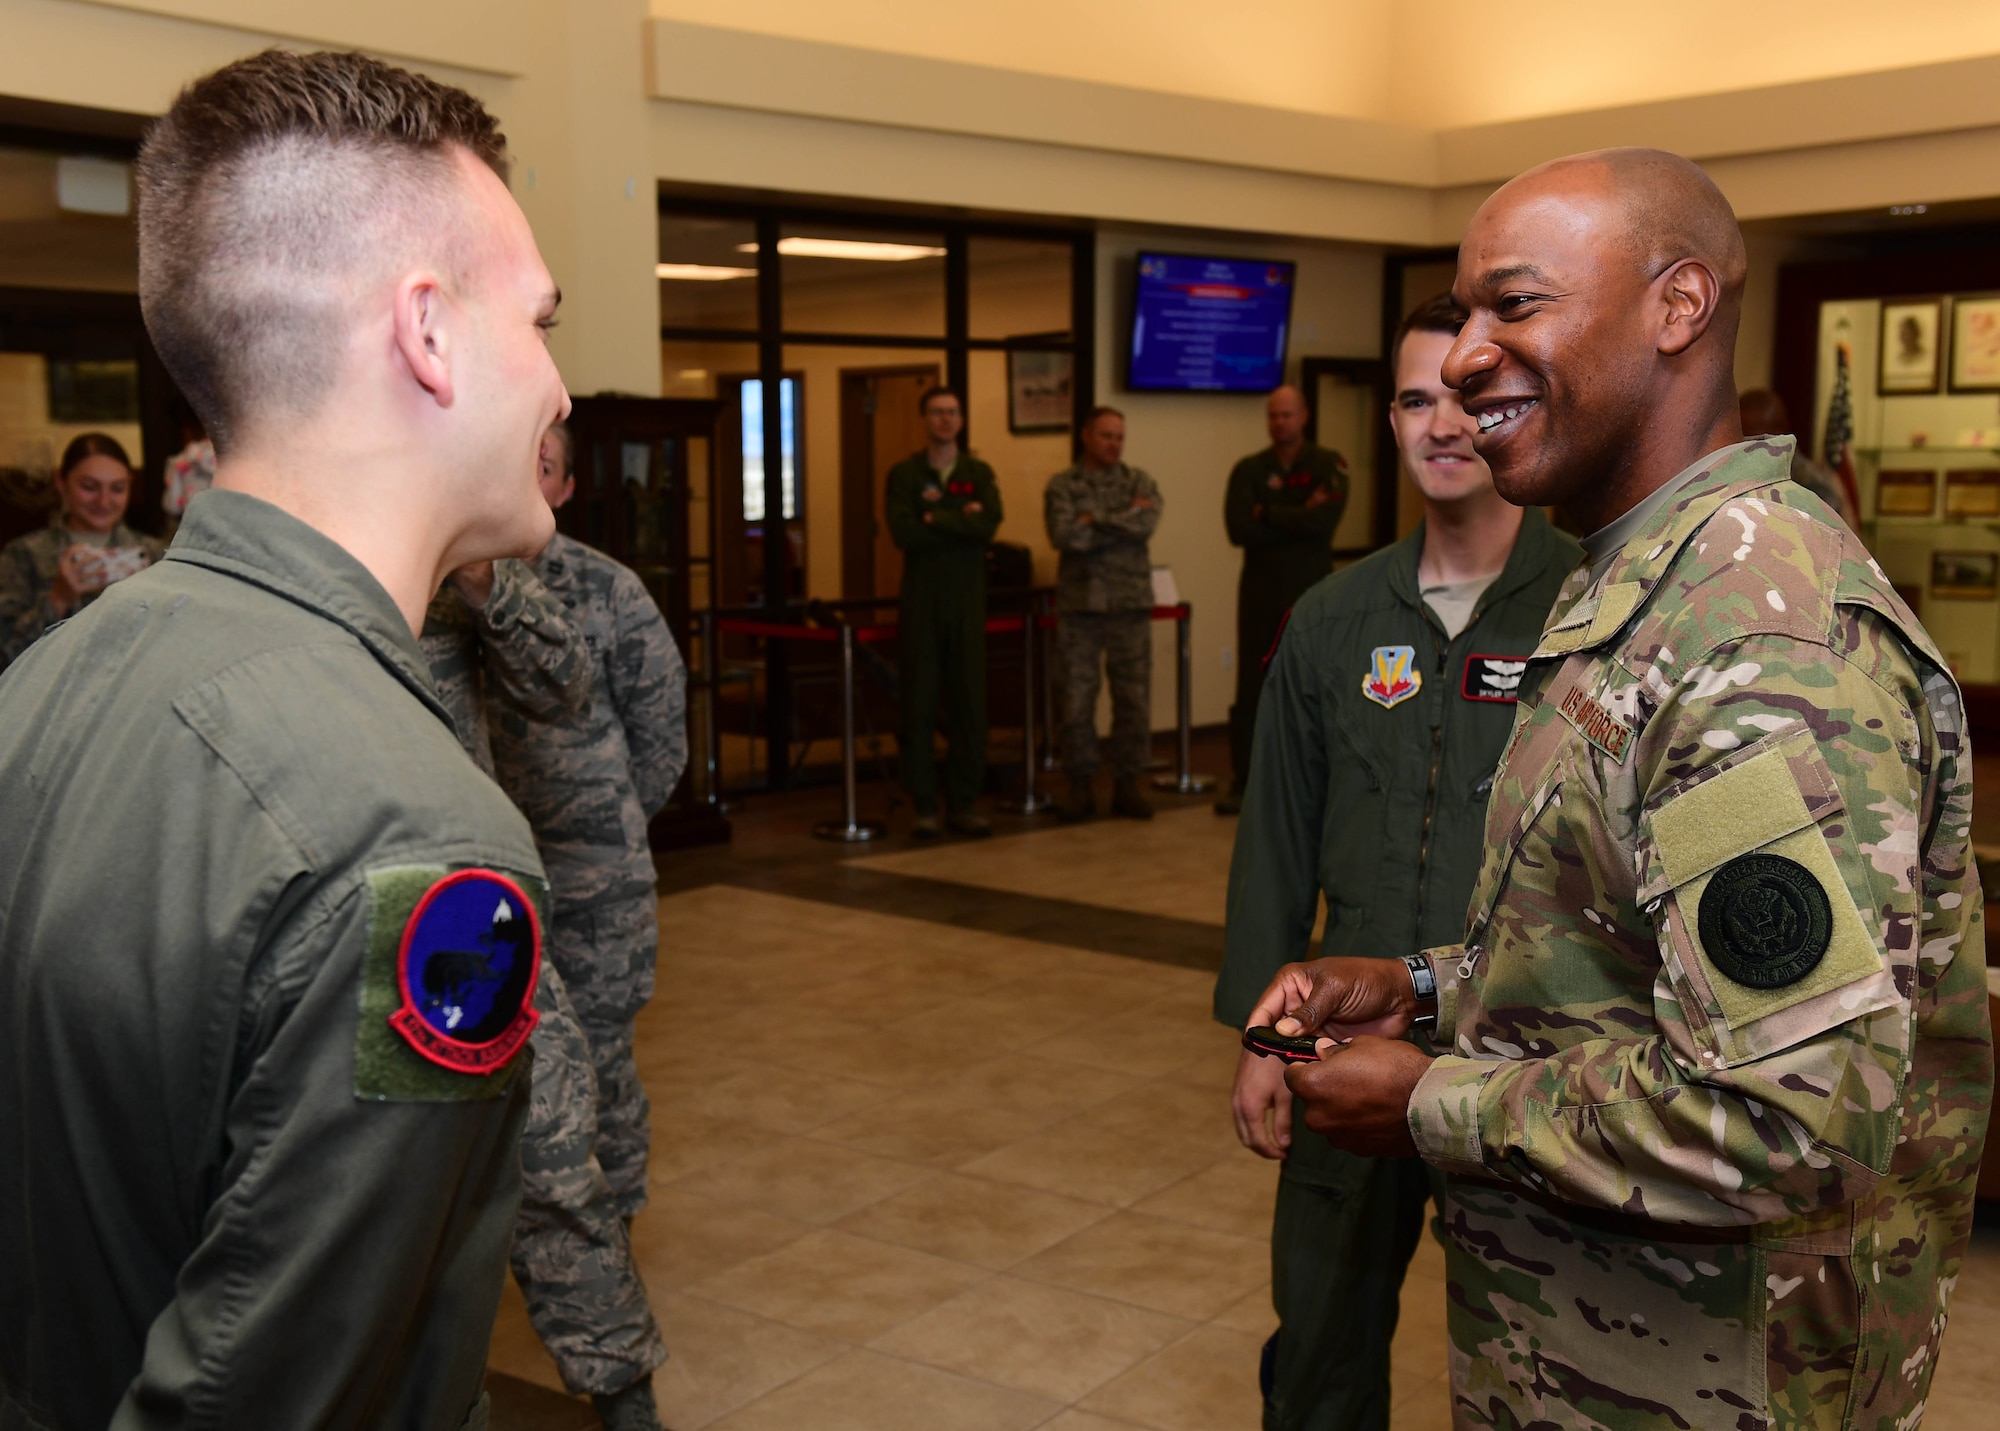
1434	315
936	391
1102	410
268	191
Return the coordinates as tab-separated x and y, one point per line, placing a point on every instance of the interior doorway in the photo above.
879	427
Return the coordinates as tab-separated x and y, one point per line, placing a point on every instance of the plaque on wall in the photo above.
1906	492
1965	576
1974	493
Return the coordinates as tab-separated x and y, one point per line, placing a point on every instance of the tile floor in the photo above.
894	1186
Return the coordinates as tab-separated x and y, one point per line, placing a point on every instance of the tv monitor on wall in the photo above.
1209	324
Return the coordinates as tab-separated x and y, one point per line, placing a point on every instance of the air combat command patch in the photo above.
1392	676
448	985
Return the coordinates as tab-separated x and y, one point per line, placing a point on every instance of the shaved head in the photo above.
1603	293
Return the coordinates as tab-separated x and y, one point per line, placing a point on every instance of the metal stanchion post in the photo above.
711	736
1032	801
1185	782
1051	756
851	829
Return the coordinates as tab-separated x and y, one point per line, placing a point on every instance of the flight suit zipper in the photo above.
1431	785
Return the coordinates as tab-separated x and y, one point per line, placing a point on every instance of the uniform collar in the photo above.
1306	454
247	538
1589	613
1525	562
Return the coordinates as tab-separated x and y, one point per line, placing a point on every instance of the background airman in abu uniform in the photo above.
1719	1065
495	627
588	783
1101	515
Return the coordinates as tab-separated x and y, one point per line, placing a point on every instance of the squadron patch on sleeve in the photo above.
448	982
1765	921
1493	678
466	970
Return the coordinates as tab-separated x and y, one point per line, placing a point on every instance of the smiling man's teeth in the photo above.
1490	420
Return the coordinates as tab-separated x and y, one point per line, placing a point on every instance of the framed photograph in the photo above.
1965	576
1975	345
1038	390
1910	347
1974	493
1905	492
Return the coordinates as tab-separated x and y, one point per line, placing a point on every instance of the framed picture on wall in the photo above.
1965	576
1974	493
1975	345
1039	385
1911	329
1905	492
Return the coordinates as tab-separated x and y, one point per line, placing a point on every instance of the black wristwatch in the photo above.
1423	980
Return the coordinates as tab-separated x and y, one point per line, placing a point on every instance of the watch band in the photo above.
1423	980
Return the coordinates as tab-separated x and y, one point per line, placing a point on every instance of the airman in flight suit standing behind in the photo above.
1719	1065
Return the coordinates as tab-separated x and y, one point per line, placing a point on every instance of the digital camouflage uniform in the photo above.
1104	606
1371	795
1287	546
941	625
1720	1064
589	783
571	1254
27	571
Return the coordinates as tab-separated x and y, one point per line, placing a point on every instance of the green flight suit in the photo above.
1375	751
1287	546
233	1191
941	636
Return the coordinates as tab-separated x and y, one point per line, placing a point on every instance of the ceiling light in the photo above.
850	248
701	272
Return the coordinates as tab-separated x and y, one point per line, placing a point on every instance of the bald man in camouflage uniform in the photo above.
1717	1064
571	1253
588	784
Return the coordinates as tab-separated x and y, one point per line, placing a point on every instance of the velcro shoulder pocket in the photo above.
1763	932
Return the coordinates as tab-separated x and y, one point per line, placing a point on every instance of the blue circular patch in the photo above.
469	959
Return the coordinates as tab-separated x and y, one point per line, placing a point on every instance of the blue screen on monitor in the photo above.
1210	324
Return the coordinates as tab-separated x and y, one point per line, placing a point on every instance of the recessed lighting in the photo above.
1903	210
850	248
700	272
693	375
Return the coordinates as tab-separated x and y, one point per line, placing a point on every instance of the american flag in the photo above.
1836	447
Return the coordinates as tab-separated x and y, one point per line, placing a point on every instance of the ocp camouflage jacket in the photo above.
1720	1062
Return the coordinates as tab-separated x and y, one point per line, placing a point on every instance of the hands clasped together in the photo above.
1358	1092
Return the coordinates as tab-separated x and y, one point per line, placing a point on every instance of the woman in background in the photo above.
56	572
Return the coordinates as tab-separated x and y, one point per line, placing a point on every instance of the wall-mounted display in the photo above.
1038	390
1973	493
1910	346
1975	345
1906	493
1965	576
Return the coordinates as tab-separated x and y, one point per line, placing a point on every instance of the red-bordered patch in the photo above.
1493	678
1272	654
466	969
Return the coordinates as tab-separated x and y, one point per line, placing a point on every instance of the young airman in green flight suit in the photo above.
943	507
1388	701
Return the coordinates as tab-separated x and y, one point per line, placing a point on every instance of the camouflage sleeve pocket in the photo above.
1759	924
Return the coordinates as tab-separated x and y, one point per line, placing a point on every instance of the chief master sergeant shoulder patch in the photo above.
449	983
1765	921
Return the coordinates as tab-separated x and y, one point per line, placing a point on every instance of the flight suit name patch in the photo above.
1765	921
1596	724
1392	676
1493	678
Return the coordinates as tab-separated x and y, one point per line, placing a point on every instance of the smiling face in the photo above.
1433	434
508	385
95	493
1553	363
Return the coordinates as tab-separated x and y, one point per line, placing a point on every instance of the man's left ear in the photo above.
1689	294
